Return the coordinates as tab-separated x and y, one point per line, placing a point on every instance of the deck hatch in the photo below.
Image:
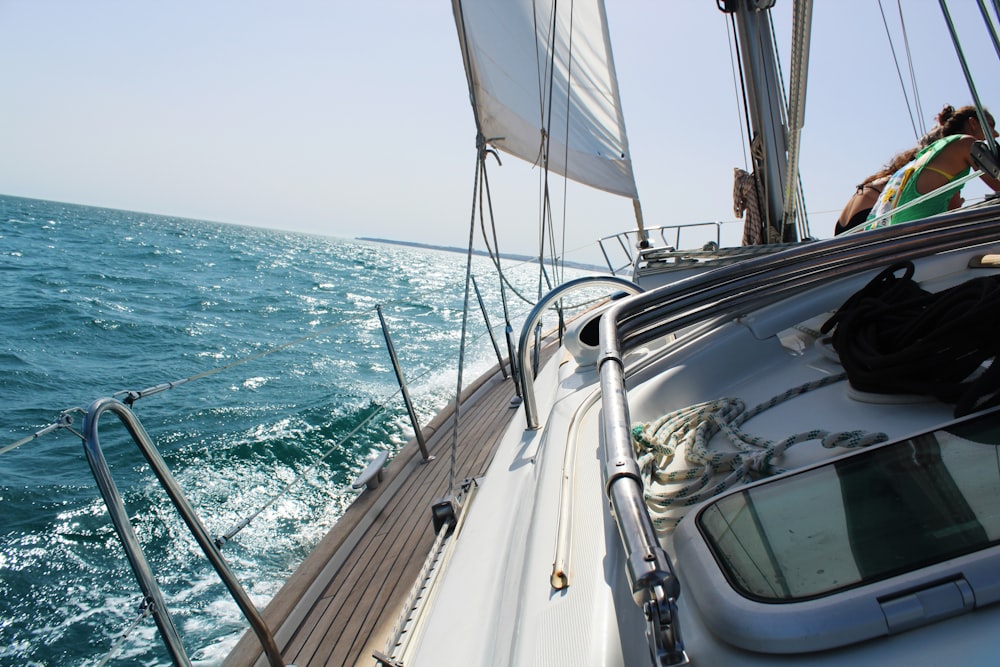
871	544
861	519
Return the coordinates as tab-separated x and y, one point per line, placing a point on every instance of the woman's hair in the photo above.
892	166
951	121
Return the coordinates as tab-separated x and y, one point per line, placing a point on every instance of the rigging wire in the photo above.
493	251
480	160
989	138
990	26
895	59
545	217
558	273
546	96
481	143
913	74
502	278
547	223
805	230
738	85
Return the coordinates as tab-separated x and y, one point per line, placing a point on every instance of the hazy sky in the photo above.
352	118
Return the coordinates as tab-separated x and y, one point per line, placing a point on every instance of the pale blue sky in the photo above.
352	119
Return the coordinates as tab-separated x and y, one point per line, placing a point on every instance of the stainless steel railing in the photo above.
133	550
669	237
524	348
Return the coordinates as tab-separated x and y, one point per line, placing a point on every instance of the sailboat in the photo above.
750	459
723	460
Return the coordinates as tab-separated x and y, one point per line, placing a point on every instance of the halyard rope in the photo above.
656	444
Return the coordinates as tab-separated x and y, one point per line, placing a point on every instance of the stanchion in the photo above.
402	386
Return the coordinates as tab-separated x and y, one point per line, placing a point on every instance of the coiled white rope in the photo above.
691	428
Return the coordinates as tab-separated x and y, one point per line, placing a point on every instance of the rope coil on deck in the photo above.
656	444
894	337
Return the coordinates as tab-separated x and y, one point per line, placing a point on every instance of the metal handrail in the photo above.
534	318
624	240
133	550
720	293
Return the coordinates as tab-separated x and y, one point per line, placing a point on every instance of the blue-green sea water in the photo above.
99	301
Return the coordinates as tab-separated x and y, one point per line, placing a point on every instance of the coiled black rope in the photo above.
894	337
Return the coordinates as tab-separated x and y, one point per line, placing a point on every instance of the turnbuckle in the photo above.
666	648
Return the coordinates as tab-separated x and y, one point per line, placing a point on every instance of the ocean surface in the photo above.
289	390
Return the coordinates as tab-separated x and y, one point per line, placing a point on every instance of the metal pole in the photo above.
766	105
508	333
607	260
489	328
989	23
402	386
988	136
133	550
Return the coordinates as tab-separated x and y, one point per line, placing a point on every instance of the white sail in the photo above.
540	66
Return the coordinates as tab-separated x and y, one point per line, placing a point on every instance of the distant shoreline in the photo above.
483	253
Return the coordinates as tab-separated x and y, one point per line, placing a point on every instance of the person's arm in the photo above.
966	153
953	159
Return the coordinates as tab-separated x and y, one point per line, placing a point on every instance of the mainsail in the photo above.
542	69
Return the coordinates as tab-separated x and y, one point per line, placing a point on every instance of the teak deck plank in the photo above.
369	561
411	537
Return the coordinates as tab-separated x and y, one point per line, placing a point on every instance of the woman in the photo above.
861	202
940	163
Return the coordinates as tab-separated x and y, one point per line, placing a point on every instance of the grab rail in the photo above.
133	550
532	321
724	292
630	239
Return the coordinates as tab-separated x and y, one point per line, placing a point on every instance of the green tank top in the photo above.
904	182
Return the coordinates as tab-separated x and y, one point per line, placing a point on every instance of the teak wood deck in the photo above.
342	602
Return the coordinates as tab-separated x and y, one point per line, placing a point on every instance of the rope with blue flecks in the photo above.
656	444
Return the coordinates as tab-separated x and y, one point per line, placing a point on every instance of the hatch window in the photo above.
863	518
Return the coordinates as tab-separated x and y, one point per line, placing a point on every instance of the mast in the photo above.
769	134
